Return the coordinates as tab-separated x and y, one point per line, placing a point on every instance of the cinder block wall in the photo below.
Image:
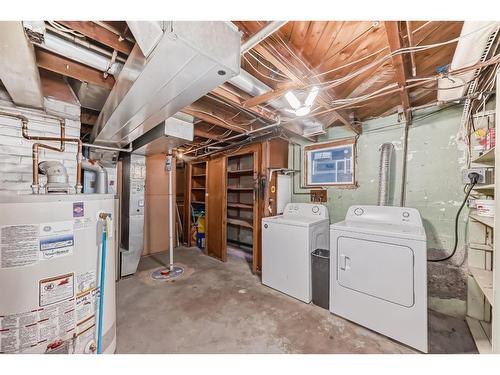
15	151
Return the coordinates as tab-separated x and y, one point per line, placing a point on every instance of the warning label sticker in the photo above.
56	239
56	289
18	245
85	281
49	327
82	223
86	306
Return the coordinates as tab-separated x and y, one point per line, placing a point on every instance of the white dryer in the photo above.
378	272
287	243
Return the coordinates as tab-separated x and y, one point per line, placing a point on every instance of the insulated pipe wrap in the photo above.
386	151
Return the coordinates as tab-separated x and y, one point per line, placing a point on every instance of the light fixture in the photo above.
299	109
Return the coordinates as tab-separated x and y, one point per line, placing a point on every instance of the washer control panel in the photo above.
306	209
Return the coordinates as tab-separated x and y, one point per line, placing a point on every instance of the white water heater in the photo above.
50	257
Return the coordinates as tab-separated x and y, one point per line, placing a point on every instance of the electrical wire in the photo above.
457	216
66	30
262	74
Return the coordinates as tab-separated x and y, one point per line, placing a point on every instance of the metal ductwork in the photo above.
190	60
18	70
101	180
386	151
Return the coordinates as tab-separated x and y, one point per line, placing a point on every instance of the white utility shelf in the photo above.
487	158
484	279
479	335
488	221
485	189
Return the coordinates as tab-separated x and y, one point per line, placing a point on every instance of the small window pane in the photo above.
330	165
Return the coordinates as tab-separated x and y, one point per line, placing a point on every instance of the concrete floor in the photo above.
223	308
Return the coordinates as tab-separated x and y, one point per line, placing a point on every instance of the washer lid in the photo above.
298	221
382	229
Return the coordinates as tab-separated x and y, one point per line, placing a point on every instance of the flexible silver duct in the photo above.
386	151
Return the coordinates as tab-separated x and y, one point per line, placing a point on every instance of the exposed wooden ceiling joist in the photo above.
100	34
288	71
256	100
394	40
212	116
73	69
232	98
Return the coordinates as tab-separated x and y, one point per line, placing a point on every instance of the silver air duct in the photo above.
101	180
384	173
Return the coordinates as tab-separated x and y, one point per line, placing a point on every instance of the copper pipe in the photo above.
36	146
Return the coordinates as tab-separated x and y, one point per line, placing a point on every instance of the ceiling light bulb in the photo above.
302	111
180	155
292	100
312	96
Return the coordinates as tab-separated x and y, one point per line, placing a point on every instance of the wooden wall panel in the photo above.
156	226
216	208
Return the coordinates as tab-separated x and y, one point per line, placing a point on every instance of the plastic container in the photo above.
200	240
320	273
485	207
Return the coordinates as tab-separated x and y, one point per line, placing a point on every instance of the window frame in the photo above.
328	146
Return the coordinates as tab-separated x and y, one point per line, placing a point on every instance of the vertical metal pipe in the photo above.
170	210
405	154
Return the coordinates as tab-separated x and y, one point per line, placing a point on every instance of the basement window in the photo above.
330	163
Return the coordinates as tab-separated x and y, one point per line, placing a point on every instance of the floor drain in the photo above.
167	274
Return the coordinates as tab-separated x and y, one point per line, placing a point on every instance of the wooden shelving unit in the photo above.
240	199
483	317
196	195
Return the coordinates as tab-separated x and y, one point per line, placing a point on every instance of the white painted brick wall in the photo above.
15	151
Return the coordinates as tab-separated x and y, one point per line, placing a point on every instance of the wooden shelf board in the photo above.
484	279
488	221
240	188
240	171
480	338
240	205
198	202
239	222
488	157
198	188
199	175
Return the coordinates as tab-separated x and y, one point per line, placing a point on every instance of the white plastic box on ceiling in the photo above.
190	60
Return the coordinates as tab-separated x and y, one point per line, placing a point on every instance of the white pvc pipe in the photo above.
262	34
170	211
81	54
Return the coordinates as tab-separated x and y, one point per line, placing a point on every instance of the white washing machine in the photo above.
287	243
378	272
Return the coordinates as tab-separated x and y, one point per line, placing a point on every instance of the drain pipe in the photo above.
100	172
169	167
386	151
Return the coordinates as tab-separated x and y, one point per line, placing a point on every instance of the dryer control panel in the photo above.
385	215
306	210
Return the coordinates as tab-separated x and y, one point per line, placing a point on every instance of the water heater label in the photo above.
18	245
56	239
56	289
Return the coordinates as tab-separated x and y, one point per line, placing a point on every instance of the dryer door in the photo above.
378	269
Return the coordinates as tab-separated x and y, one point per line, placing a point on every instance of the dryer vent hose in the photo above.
386	151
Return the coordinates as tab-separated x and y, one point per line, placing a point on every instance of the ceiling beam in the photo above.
288	71
212	116
100	34
394	40
204	134
239	102
73	69
88	117
280	91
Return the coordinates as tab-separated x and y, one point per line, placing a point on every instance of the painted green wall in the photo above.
434	163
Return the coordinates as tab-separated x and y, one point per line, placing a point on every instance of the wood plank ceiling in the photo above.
346	59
